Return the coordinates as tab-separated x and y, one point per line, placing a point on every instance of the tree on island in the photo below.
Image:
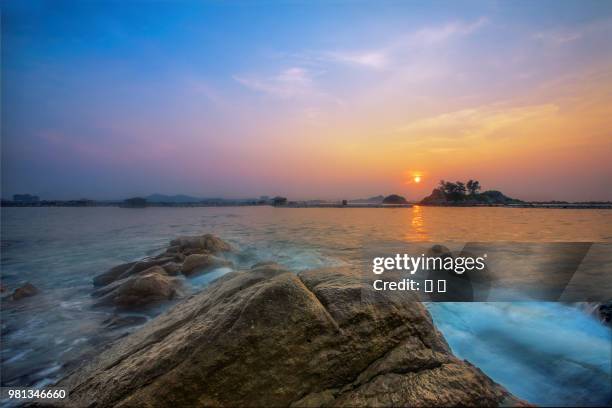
473	186
453	191
465	193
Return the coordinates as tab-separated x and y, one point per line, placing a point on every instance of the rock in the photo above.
200	262
120	322
139	290
145	264
206	243
112	274
605	312
24	291
268	337
172	268
114	285
437	197
124	270
177	252
394	199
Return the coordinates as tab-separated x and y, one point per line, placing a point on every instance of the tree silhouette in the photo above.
473	186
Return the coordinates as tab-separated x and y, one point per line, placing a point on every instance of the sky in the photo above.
306	99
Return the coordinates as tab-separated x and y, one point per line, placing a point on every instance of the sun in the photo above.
417	179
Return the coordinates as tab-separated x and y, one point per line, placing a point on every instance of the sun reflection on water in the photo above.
418	231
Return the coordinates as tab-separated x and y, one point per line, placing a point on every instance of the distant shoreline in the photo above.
80	204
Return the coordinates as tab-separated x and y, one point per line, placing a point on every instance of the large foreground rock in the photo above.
268	337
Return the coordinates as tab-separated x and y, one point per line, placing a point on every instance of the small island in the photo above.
467	194
394	199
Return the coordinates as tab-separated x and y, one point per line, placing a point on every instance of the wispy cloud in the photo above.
445	32
396	49
558	37
479	122
564	35
371	59
290	83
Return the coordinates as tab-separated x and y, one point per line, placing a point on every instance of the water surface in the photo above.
547	353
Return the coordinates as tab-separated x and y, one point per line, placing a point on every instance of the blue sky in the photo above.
307	99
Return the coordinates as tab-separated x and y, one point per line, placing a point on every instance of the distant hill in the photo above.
179	198
394	199
372	200
186	199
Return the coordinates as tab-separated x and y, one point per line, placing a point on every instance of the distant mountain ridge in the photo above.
179	198
187	199
372	200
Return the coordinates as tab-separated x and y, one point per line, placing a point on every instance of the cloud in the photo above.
290	83
370	59
558	37
439	34
397	48
563	35
480	122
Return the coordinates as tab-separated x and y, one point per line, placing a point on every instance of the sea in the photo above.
548	353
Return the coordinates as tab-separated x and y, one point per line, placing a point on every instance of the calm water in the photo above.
547	353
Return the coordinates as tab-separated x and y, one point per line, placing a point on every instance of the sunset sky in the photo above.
307	99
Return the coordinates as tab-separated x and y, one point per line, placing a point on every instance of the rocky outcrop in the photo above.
150	286
437	197
172	268
269	337
206	243
24	291
200	262
128	269
140	283
172	259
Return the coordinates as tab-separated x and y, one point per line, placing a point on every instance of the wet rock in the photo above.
24	291
112	274
605	312
172	268
200	262
140	290
207	242
120	322
269	337
114	285
128	269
